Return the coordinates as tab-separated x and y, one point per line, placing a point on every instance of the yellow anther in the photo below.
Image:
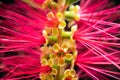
74	12
77	8
75	52
74	28
54	71
74	78
48	30
51	62
69	14
65	47
77	17
52	56
71	7
67	42
49	77
44	61
61	62
55	32
67	72
62	24
44	33
46	41
68	56
59	16
56	47
73	73
50	16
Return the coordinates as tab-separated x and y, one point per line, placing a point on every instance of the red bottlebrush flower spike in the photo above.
20	28
98	40
14	67
59	40
20	37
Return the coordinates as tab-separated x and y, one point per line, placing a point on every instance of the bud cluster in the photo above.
59	52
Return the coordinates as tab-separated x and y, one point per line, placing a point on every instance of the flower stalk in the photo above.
60	47
60	56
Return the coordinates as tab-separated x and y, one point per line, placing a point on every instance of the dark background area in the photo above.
7	1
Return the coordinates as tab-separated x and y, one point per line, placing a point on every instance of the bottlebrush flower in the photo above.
20	28
98	39
54	40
